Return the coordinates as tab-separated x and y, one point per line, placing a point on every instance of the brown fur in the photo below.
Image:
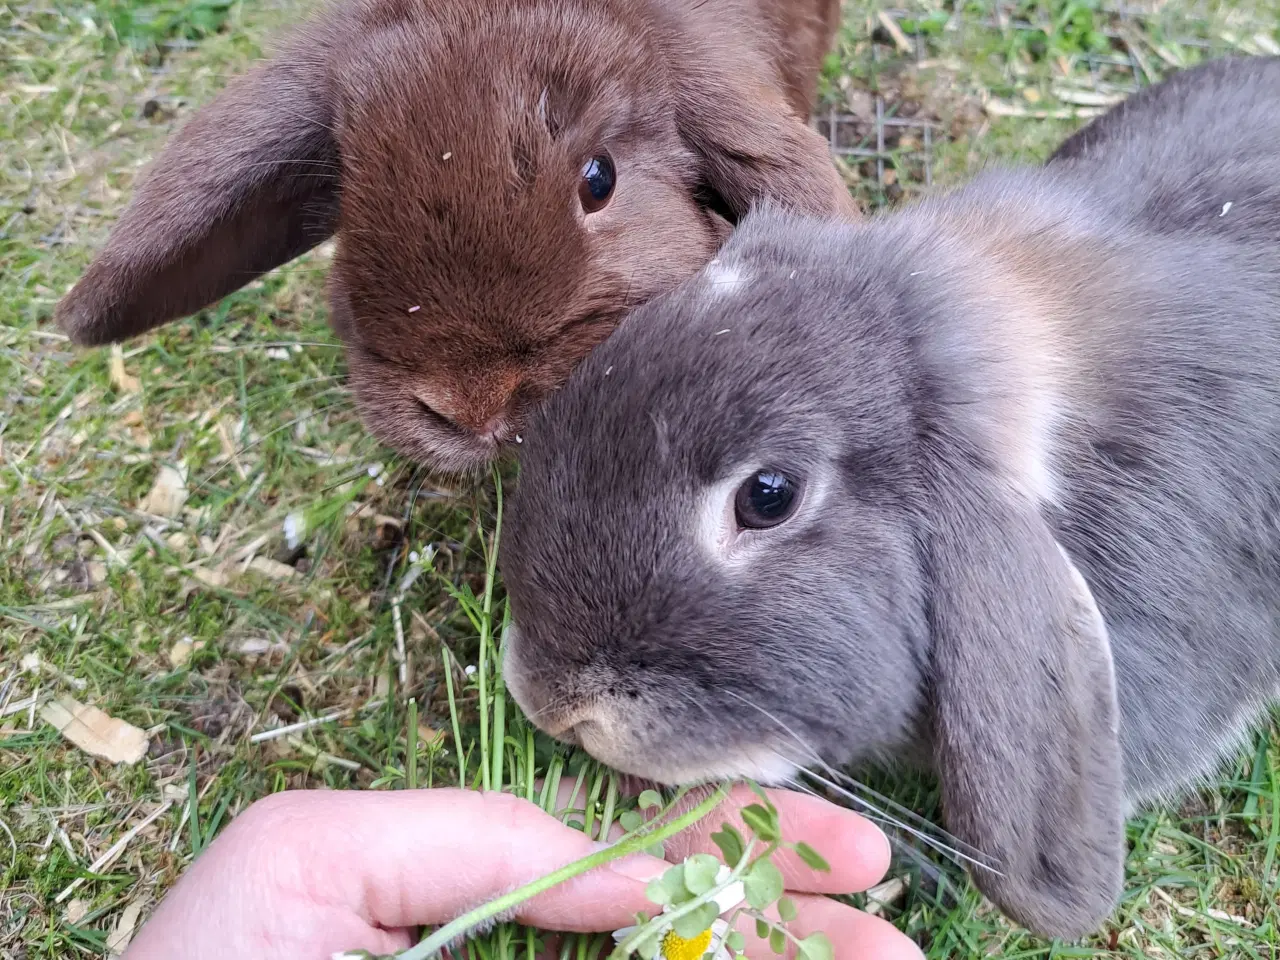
443	141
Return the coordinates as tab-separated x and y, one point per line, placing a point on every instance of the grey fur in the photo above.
1083	356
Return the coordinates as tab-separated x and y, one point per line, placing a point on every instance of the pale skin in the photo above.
305	874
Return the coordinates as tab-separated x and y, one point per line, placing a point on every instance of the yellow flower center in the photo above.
676	947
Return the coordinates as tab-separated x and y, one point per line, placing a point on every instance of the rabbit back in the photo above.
1167	475
1172	492
1206	133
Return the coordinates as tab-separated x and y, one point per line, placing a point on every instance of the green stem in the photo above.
551	786
610	804
773	924
531	767
573	797
499	702
411	761
486	643
635	843
447	659
769	851
482	686
593	799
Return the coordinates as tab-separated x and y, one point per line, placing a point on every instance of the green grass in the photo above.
161	624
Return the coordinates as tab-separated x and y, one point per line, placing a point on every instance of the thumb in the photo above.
419	857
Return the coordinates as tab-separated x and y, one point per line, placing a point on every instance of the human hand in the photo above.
305	874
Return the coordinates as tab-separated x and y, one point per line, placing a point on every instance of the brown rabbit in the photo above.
505	178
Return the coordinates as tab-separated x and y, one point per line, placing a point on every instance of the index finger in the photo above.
855	848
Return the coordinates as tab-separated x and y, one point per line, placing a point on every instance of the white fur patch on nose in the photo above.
725	278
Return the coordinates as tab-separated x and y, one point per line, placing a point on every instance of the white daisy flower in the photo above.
709	942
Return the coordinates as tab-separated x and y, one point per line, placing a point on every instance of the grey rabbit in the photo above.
992	481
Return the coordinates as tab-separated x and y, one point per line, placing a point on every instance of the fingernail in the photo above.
640	866
888	847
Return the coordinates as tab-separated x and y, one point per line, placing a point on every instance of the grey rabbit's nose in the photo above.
564	724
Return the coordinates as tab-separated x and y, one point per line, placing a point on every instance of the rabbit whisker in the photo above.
977	858
295	161
266	344
305	119
831	773
902	849
246	447
923	829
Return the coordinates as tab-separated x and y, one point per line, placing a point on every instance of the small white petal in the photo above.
720	930
731	896
470	670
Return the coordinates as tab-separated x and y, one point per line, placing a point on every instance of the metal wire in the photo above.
899	150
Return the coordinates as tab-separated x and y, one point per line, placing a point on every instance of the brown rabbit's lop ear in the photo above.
754	147
250	182
1025	712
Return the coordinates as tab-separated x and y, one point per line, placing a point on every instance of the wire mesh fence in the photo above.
900	99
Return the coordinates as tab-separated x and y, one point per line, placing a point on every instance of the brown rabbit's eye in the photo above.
766	500
597	183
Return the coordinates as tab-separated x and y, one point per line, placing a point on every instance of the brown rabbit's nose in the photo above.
487	416
497	429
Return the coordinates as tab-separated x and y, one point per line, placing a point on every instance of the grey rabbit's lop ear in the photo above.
249	183
1025	711
754	146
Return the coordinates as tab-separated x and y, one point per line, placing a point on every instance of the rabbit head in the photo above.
766	524
504	180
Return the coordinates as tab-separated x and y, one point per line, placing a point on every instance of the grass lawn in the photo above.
199	621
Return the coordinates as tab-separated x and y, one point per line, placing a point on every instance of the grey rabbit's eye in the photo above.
766	500
598	178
